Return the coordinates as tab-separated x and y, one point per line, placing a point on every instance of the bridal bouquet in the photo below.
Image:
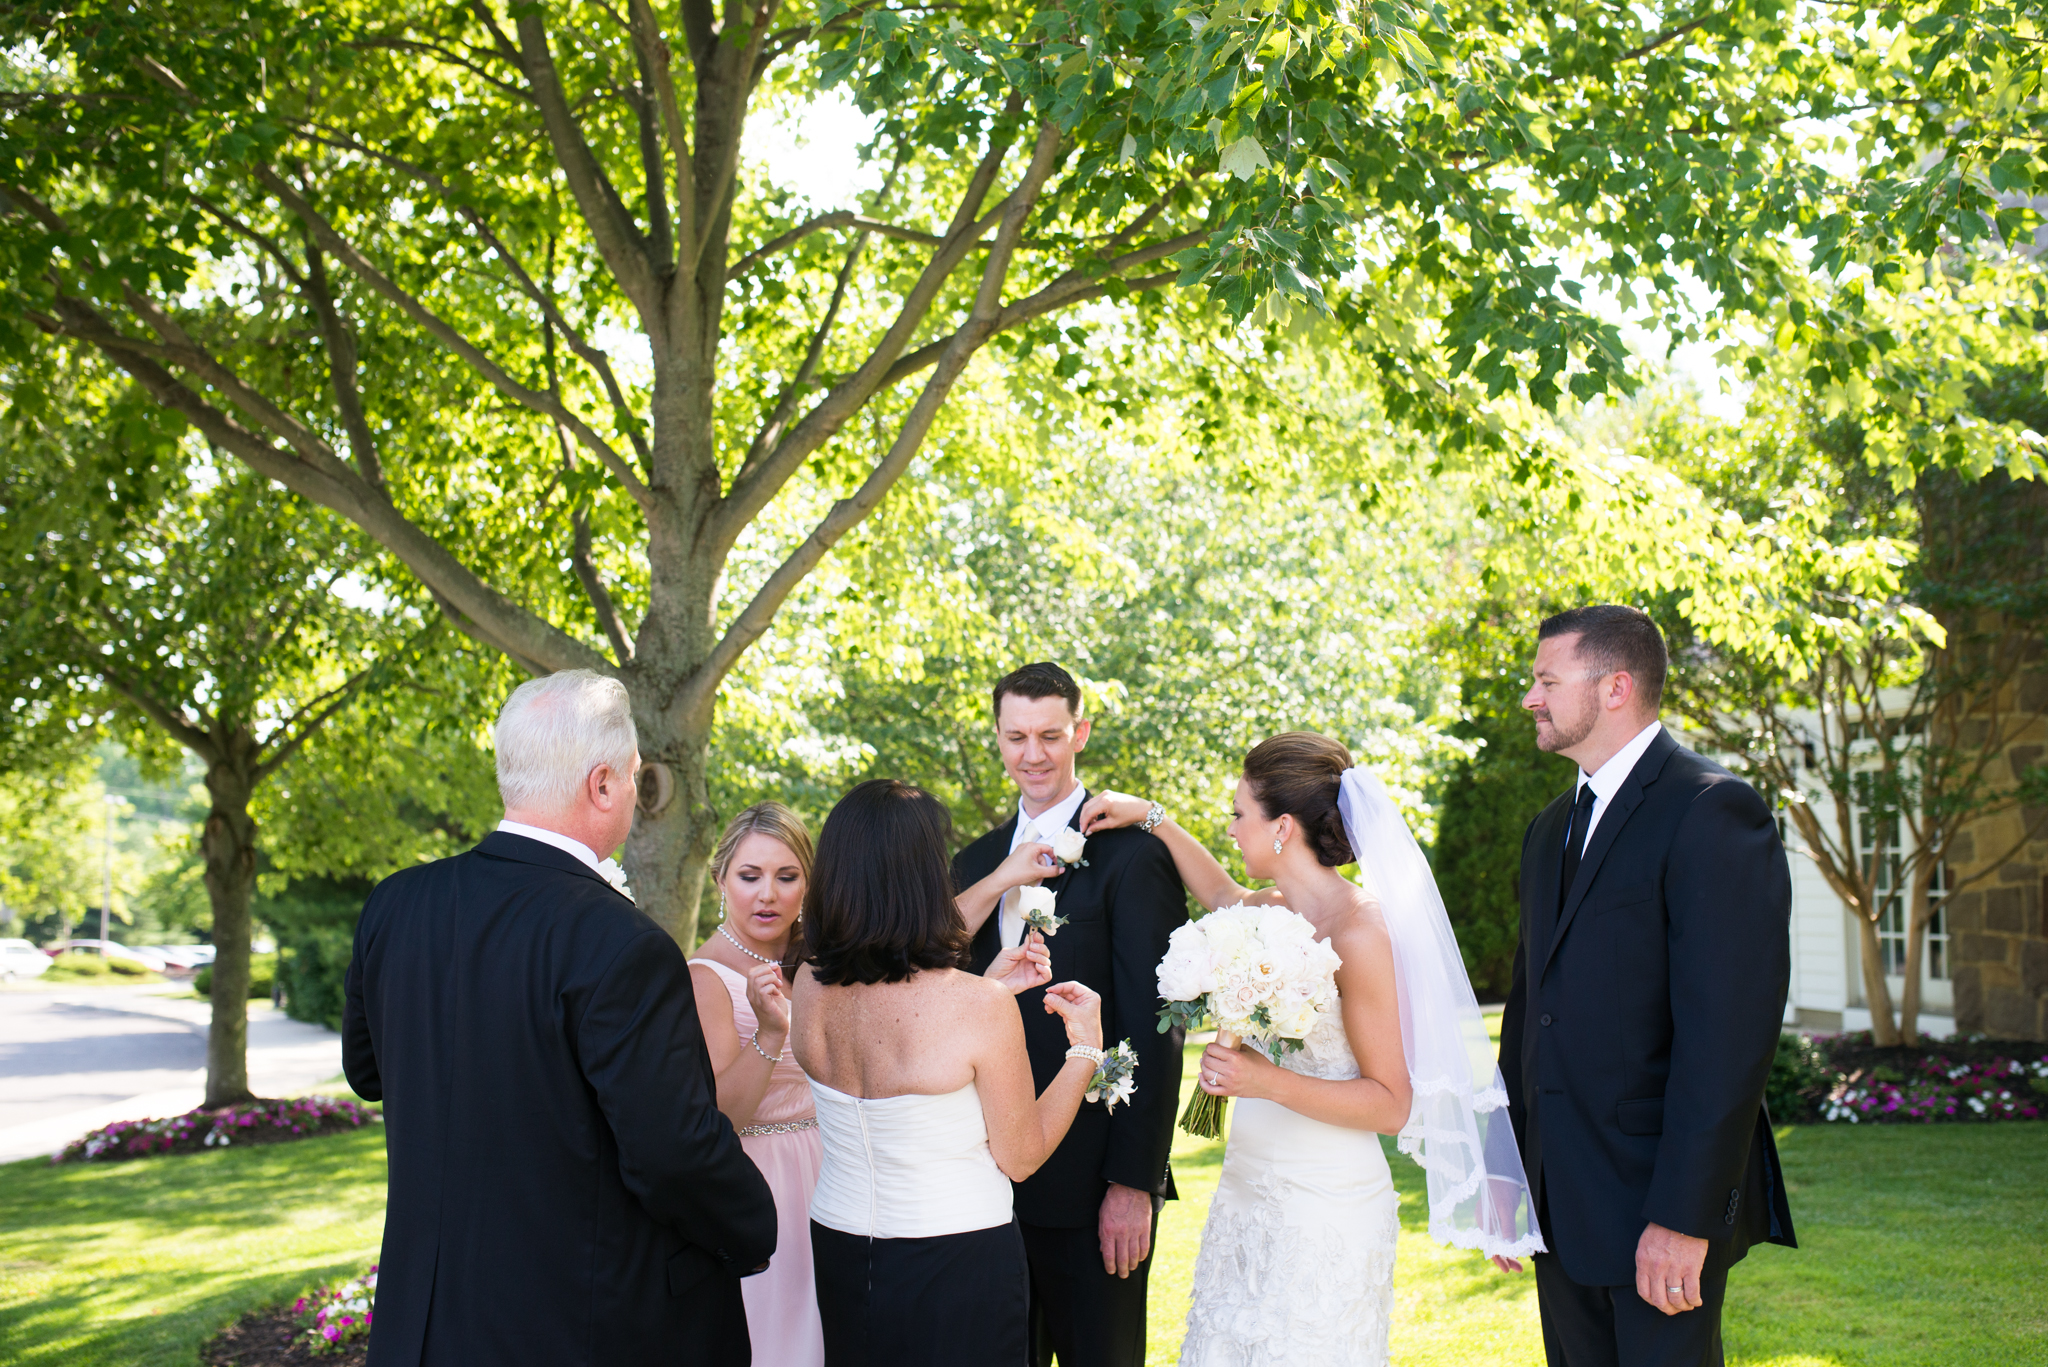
1257	973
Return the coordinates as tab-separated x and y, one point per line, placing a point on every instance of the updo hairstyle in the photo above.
1296	773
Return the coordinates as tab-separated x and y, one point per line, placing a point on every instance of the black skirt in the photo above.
932	1302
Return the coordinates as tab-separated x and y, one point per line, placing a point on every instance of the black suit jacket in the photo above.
1120	907
1644	1016
563	1189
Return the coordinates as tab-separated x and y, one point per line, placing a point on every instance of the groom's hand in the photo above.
1666	1259
1125	1228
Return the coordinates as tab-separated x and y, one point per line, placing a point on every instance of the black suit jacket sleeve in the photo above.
642	1052
1728	892
358	1053
1149	906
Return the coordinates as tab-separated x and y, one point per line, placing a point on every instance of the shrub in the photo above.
254	1122
335	1316
262	977
77	965
1800	1079
1934	1089
313	966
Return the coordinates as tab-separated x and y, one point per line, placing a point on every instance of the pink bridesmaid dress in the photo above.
783	1141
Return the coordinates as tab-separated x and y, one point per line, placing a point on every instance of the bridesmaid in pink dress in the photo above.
760	869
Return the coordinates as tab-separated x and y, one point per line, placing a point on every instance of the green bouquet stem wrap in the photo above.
1203	1117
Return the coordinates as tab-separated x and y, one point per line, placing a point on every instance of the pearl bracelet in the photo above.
1094	1056
756	1042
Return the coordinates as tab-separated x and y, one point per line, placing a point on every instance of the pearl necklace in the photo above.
734	940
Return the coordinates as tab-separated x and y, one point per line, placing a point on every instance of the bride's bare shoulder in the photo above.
1361	924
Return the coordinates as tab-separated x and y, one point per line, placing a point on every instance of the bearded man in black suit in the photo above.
563	1189
1649	987
1089	1215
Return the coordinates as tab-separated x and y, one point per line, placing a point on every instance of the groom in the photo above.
1648	990
563	1187
1090	1214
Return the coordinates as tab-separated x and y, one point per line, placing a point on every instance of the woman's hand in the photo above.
1030	863
1234	1072
1027	966
1106	811
1079	1007
770	1000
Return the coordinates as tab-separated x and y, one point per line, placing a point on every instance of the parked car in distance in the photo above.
184	958
21	959
147	956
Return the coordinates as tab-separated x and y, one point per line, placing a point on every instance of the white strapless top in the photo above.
906	1167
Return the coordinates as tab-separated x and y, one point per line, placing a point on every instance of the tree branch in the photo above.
747	497
1667	36
180	728
694	698
480	609
534	399
619	240
339	695
341	366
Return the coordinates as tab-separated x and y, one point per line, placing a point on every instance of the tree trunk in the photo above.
1919	911
670	845
228	843
1883	1028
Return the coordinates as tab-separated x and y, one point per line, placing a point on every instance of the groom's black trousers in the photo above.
1611	1326
1083	1315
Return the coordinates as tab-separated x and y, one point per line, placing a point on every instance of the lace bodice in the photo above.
1325	1052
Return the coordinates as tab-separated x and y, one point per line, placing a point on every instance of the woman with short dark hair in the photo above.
924	1094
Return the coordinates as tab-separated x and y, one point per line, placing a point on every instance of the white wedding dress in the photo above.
1297	1260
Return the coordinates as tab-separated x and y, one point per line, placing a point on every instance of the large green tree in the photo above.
177	599
384	254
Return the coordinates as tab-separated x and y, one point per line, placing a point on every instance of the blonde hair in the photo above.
771	819
554	731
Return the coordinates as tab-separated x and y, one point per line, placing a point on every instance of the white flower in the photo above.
1067	844
610	871
1035	909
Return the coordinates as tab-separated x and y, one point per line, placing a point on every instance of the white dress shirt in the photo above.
547	837
1059	816
1607	780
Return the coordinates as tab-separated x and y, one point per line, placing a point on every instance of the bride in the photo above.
1297	1259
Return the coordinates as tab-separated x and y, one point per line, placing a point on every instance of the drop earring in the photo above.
721	904
1277	844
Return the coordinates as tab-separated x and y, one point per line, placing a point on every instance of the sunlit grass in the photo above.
1918	1245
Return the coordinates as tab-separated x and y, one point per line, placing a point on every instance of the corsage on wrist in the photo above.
1115	1073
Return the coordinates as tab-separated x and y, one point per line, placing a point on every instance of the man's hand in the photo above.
1125	1228
1668	1269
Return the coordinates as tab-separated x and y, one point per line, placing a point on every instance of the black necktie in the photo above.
1575	842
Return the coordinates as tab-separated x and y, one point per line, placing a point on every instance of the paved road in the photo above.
75	1058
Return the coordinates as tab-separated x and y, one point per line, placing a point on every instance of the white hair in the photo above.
554	731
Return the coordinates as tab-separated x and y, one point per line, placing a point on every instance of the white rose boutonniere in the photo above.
610	871
1067	844
1035	907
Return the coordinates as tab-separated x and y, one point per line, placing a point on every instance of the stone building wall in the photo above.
1997	940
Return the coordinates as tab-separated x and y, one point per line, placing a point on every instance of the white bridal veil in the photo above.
1458	1128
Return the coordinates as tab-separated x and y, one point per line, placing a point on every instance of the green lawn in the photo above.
1921	1246
1918	1245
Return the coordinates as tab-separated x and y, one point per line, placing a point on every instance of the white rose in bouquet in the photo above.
1067	845
1259	973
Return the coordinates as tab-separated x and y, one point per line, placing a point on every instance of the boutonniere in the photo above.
610	871
1035	909
1067	845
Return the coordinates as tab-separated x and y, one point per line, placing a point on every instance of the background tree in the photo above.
1888	683
174	599
401	260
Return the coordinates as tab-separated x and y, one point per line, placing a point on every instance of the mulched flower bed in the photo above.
330	1325
276	1338
254	1122
1849	1079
